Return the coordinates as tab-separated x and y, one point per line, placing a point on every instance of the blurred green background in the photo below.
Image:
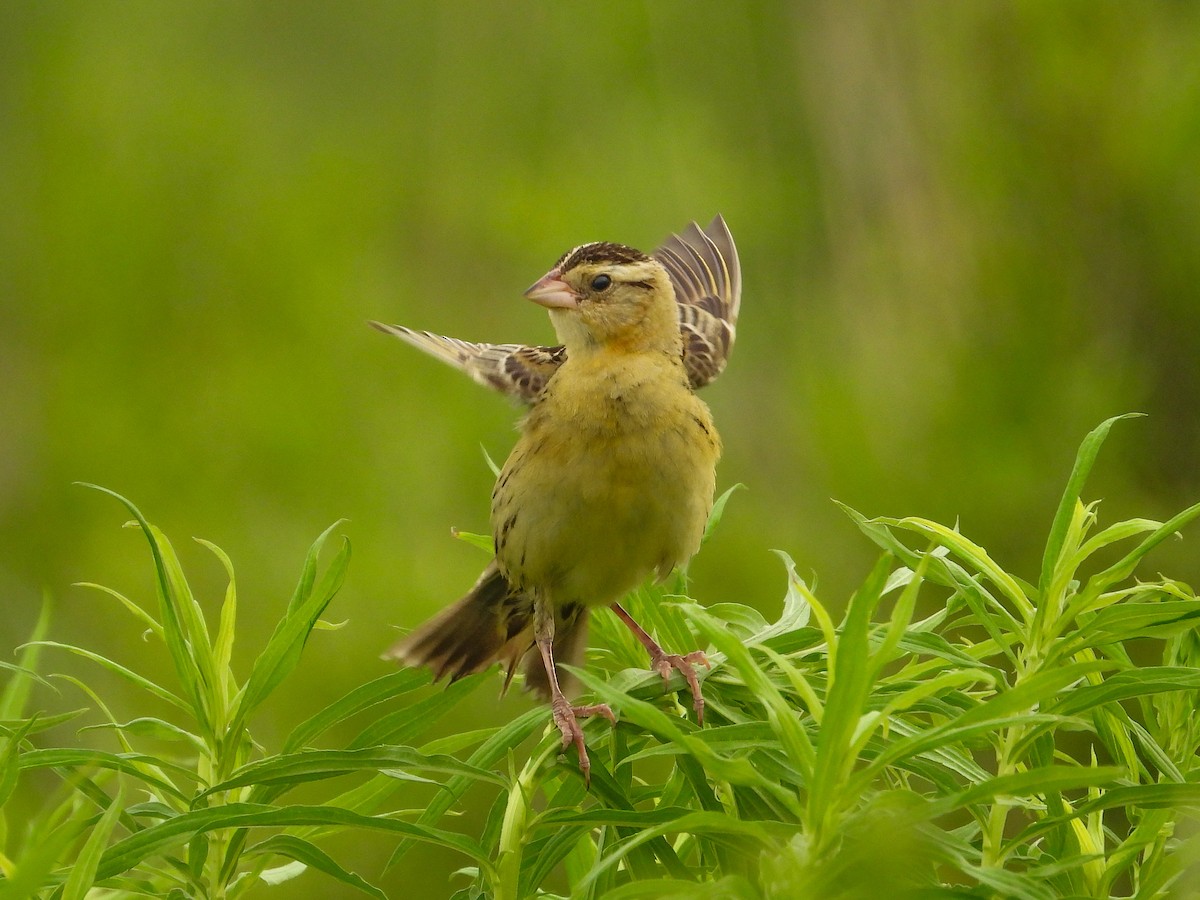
968	233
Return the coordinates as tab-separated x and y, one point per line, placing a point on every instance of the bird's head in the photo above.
606	294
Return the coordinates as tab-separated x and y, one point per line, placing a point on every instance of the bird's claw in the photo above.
566	718
663	663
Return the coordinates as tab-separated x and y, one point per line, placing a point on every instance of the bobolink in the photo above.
613	475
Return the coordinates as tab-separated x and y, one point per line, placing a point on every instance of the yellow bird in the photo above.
613	475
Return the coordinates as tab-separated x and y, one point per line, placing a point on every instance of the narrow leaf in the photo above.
314	857
363	697
1088	451
16	692
82	872
283	650
135	849
313	765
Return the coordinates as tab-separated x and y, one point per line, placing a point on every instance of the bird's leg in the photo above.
565	715
663	662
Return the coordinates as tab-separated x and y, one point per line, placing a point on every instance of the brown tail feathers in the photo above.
493	622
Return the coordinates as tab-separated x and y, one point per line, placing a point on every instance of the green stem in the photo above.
516	820
993	835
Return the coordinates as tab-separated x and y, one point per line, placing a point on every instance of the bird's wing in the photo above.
515	370
703	265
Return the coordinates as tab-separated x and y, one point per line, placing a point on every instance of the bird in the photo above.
705	272
613	474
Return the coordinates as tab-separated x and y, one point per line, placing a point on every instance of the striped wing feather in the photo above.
515	370
704	267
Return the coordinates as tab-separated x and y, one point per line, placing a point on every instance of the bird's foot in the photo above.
566	718
663	663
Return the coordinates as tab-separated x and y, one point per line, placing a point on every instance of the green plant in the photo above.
1021	740
197	835
1007	745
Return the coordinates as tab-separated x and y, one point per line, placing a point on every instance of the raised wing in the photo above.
518	371
704	268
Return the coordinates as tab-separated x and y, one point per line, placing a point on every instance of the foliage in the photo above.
1025	739
196	835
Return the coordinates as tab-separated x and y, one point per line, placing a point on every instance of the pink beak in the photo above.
552	292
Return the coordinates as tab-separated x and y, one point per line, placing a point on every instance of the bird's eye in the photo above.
601	282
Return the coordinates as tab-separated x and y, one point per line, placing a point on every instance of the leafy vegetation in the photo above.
1031	739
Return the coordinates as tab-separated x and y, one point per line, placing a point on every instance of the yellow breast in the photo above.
612	478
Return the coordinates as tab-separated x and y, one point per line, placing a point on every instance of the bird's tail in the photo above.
468	636
493	622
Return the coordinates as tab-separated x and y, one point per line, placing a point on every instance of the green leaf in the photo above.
283	650
1124	621
1124	567
117	669
494	749
22	672
482	541
731	887
16	692
1007	884
82	872
1111	535
1047	779
1124	685
312	856
39	722
223	646
174	630
744	736
667	728
363	697
157	729
491	463
308	573
1162	796
901	616
878	532
748	837
407	723
134	764
152	624
366	798
10	748
314	765
31	872
796	607
599	817
283	874
746	621
943	736
157	839
975	556
999	623
542	857
781	715
845	701
453	743
1088	451
718	510
190	617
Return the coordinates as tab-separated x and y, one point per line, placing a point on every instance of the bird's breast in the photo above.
612	478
